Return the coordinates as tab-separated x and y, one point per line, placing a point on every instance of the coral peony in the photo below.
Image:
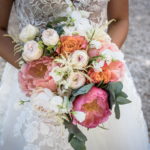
36	74
95	105
112	72
71	43
105	46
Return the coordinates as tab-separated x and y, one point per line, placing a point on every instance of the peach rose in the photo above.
71	43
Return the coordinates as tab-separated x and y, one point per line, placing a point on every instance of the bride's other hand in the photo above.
6	46
118	9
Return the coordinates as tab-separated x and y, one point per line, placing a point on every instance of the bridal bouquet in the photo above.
72	73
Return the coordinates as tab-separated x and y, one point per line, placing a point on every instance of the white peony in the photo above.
79	59
50	37
28	33
40	100
31	51
79	115
56	103
95	44
76	80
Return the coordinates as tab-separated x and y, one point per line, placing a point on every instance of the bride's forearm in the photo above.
6	49
118	31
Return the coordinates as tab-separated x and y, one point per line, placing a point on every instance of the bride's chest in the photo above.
46	5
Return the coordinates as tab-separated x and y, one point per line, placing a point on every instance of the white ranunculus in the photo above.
55	103
28	33
76	80
79	59
95	44
32	51
40	100
50	37
80	116
98	65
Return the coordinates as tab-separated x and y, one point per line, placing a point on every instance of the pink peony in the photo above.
95	105
96	52
36	74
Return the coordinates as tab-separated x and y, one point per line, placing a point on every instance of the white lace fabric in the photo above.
39	12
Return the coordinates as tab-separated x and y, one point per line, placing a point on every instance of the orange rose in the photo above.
100	76
71	43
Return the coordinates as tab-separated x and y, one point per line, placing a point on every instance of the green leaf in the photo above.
73	129
83	90
53	23
122	94
59	29
117	111
116	87
77	144
122	100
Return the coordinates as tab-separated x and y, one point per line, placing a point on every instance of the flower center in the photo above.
38	71
90	107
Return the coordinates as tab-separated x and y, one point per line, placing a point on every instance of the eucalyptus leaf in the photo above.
73	129
122	94
117	111
77	144
83	90
116	87
122	100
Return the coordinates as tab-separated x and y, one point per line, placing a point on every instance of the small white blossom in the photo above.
56	104
98	65
79	115
28	33
56	73
95	44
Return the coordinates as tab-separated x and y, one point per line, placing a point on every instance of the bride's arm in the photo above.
118	9
6	46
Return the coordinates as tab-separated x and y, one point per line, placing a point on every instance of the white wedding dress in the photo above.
20	129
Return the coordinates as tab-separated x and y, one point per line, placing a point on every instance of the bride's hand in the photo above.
118	9
6	45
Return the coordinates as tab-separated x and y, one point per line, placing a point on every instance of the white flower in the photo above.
28	33
79	115
50	37
108	56
118	56
40	100
95	44
76	80
32	51
98	65
76	15
79	59
56	103
57	74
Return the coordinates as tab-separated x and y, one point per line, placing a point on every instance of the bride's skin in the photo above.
117	9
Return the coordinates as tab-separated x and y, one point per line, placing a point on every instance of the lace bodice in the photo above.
39	12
